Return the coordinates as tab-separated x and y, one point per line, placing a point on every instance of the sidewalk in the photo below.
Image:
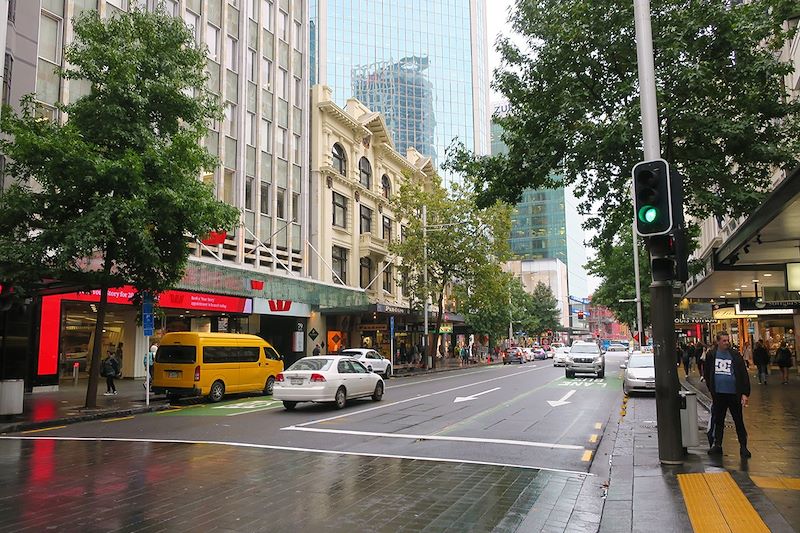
65	406
646	496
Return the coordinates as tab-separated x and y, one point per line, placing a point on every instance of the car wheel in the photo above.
378	394
625	390
388	372
289	406
341	398
269	386
217	391
601	374
570	375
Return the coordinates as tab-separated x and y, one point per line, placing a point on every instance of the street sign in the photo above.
147	315
313	334
391	325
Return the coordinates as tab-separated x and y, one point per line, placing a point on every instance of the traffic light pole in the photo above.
662	312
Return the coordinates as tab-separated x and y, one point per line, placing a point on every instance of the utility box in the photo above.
12	392
689	430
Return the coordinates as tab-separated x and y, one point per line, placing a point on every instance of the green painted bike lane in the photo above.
238	406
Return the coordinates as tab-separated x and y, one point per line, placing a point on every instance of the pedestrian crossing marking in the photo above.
716	503
776	482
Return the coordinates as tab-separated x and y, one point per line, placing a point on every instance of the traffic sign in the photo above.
147	315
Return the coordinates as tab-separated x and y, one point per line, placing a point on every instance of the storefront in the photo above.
67	328
284	324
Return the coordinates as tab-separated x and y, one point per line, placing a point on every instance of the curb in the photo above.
88	417
439	370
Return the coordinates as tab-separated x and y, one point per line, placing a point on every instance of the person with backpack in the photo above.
109	369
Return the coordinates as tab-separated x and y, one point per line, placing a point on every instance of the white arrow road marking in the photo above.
563	400
436	437
460	399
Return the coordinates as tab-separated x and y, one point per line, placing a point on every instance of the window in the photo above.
366	219
265	187
296	148
386	186
339	264
231	56
365	172
366	271
8	68
266	136
249	186
193	22
266	72
230	119
280	143
339	159
212	41
387	228
283	22
250	129
298	36
252	9
266	14
119	4
339	210
387	279
176	354
295	207
298	92
226	354
280	207
344	367
283	84
50	38
251	65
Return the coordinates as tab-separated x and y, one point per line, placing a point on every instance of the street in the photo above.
501	447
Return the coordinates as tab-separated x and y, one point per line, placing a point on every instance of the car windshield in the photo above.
641	361
318	363
584	348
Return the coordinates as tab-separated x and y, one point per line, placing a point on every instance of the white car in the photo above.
326	378
372	360
640	373
560	356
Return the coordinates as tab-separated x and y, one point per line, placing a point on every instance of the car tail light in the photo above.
279	377
317	378
197	373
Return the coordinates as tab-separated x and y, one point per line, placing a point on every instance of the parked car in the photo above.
640	373
514	355
539	353
326	378
585	358
616	348
527	353
372	360
560	356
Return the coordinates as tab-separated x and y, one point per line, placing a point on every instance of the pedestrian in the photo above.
464	355
149	362
761	360
702	364
109	369
748	355
729	384
687	360
784	357
316	351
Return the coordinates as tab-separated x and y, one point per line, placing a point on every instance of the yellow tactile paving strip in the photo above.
776	482
715	503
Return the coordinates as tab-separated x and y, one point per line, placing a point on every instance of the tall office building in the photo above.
422	65
546	225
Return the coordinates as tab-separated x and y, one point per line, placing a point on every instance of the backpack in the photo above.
107	369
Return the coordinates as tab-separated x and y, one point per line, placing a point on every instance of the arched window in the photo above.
386	185
339	159
365	172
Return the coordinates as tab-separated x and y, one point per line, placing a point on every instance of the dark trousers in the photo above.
110	387
762	372
722	404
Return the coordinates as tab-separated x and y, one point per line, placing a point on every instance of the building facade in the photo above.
423	66
257	278
551	272
355	170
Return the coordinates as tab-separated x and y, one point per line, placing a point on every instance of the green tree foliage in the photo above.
614	263
485	305
461	239
724	118
113	193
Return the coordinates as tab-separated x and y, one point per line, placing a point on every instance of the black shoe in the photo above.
715	450
745	453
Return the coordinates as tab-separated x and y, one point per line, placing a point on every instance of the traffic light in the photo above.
652	198
580	315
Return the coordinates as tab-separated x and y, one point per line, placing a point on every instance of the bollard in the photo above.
75	368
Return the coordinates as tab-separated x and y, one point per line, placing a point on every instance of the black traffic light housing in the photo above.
652	198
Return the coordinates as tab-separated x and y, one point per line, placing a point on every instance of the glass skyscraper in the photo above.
423	65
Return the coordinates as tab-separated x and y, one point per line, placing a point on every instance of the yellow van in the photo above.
212	364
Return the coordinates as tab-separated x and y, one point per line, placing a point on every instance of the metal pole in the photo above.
425	282
639	322
662	312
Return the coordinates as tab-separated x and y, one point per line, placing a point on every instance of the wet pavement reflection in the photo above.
143	486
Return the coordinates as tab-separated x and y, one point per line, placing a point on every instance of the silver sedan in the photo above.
640	373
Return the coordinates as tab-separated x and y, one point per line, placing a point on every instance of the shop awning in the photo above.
758	250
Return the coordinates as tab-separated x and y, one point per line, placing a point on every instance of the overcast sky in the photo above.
496	24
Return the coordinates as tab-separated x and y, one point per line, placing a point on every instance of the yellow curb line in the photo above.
42	429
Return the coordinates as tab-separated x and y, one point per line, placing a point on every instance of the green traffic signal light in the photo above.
648	214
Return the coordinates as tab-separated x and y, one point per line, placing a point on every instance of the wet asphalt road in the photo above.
503	460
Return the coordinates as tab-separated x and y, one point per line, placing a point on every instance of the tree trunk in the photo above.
94	367
437	334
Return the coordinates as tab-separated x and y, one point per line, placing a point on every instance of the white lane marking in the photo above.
308	450
415	398
533	444
562	400
454	375
274	405
460	399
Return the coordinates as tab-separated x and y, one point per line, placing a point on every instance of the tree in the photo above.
614	262
115	189
535	312
461	239
725	119
486	304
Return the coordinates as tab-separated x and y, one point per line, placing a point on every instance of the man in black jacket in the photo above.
761	359
729	384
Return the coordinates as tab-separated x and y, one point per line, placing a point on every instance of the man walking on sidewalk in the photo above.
761	359
729	385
